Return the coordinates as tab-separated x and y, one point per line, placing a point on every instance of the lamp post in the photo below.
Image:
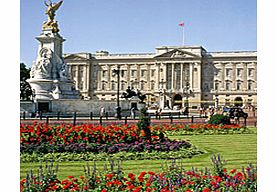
118	108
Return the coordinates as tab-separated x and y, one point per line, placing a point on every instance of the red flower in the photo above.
206	190
130	175
151	173
233	171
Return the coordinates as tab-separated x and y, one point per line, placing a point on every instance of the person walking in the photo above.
102	112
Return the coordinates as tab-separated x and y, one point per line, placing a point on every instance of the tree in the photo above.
144	123
25	88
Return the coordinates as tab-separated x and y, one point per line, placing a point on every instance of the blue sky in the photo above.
138	26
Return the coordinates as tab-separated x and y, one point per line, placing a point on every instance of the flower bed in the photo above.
174	179
86	133
87	142
114	134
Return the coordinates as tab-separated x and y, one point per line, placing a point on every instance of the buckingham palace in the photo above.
171	76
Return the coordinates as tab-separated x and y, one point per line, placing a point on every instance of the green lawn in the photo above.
238	150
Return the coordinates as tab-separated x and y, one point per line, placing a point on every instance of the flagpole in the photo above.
182	24
183	35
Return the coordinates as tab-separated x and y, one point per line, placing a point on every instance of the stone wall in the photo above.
68	106
27	106
86	106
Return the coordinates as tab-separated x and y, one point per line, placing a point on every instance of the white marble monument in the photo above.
49	73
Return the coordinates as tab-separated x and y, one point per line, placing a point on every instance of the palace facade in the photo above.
172	76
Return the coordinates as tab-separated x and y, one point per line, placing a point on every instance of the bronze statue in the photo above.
51	9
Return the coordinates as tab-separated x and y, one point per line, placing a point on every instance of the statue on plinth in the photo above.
43	66
51	9
49	73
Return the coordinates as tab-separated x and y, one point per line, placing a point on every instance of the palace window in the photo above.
122	85
187	72
239	72
113	86
143	73
81	71
238	85
152	86
153	72
228	86
250	72
228	72
103	85
250	85
104	73
133	73
123	73
142	85
81	85
216	86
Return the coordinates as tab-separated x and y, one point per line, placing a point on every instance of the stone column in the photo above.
88	79
244	76
109	77
222	76
148	73
191	75
77	76
181	78
99	77
198	76
255	75
172	76
158	76
85	77
234	79
128	74
138	76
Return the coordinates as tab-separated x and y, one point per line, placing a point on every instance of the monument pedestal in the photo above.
49	74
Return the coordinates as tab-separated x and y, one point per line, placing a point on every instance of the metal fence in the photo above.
126	118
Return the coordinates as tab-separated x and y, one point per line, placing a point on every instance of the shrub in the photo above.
219	119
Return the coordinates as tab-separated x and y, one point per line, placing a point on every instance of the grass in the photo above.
238	150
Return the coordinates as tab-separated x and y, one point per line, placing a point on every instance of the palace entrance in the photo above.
177	101
238	102
43	106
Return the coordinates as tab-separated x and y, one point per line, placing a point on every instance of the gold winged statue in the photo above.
51	9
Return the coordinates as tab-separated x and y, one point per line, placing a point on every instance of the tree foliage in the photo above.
25	88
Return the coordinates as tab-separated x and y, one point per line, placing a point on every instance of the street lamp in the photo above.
118	108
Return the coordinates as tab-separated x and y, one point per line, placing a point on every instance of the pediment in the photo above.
177	53
74	57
